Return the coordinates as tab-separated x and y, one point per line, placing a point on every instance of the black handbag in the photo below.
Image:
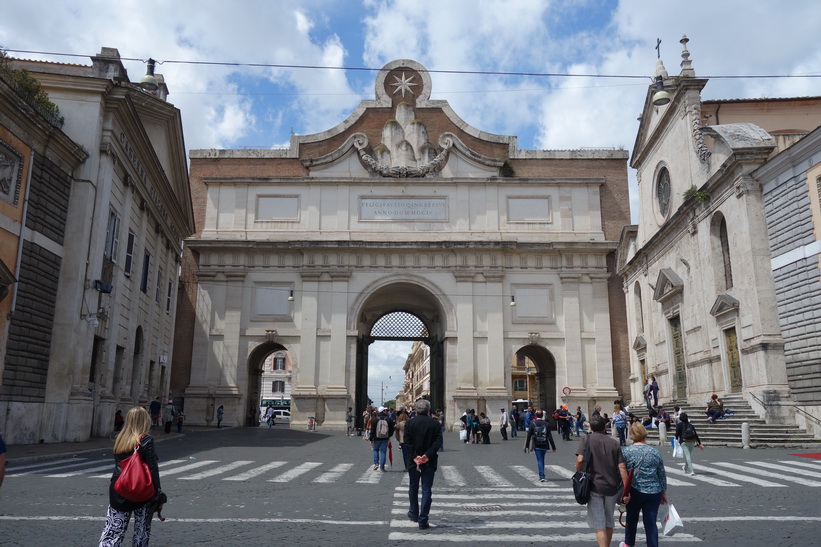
581	479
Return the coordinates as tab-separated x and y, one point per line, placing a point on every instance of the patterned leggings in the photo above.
116	525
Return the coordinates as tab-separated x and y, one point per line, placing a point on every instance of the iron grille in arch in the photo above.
399	324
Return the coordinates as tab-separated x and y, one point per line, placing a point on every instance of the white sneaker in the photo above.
692	473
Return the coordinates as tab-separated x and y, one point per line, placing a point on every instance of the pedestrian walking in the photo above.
155	410
180	420
168	415
503	424
220	415
654	390
269	415
134	434
440	415
514	422
528	417
687	435
607	474
580	419
539	432
620	423
349	421
648	489
424	437
399	433
381	430
563	422
485	427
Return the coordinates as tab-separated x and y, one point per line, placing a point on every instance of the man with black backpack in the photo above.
539	431
381	431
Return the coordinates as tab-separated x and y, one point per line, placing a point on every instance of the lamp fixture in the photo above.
149	81
660	97
291	296
512	300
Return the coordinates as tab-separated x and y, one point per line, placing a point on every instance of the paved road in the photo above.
273	486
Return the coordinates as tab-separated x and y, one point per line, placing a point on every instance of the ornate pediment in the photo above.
639	343
724	304
668	285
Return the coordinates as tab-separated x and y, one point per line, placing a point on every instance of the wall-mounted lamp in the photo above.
512	300
291	296
660	97
149	81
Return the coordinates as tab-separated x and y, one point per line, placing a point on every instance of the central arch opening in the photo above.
406	320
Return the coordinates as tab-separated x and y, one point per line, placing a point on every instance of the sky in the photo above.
232	105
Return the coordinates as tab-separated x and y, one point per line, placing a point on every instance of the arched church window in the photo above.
663	191
638	308
725	254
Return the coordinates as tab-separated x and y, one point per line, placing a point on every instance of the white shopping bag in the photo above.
669	519
678	451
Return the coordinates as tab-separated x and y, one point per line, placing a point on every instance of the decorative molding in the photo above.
533	337
668	284
698	136
742	185
724	304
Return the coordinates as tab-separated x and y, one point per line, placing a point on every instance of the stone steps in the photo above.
727	432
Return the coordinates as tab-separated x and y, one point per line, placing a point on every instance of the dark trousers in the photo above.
417	512
648	505
503	429
168	427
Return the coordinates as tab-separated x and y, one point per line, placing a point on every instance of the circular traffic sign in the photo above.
566	390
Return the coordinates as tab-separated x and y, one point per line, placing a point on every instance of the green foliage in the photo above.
30	89
700	196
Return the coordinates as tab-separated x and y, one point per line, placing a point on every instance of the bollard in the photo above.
662	433
745	435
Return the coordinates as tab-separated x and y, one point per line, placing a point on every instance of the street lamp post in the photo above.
529	372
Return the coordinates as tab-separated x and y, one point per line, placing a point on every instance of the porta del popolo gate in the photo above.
405	207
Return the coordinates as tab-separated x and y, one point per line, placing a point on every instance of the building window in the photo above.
278	386
158	290
725	254
146	271
129	253
520	385
639	310
279	363
663	191
112	236
168	296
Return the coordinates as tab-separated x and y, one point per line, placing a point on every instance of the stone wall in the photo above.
798	286
48	199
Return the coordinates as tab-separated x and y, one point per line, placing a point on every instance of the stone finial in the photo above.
686	63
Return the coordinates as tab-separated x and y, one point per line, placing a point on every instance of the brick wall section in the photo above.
48	199
184	321
29	340
797	286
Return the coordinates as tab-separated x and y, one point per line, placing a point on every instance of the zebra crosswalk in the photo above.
765	474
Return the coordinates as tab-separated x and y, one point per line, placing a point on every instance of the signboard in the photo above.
405	209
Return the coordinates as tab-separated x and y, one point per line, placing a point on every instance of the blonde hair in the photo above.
137	423
638	433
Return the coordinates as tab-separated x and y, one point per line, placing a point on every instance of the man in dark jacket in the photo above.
381	432
539	431
424	437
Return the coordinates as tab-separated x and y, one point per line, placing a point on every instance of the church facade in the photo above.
402	210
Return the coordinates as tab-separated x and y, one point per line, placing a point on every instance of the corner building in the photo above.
405	209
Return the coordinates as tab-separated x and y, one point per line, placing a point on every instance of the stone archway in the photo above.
417	302
256	360
544	390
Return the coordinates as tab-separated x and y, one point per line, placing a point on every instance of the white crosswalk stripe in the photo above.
255	472
15	470
808	465
371	476
216	471
700	477
69	466
490	475
187	467
300	469
83	472
786	467
747	478
561	471
334	474
452	475
800	480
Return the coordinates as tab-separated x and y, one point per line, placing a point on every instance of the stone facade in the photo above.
92	325
706	305
404	207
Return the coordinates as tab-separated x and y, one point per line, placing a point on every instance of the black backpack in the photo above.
689	432
540	431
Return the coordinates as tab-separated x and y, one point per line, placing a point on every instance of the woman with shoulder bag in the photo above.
133	437
648	488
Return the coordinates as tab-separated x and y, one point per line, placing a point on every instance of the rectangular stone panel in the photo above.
528	209
277	208
404	209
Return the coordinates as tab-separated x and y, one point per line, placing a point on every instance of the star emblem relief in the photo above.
403	84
